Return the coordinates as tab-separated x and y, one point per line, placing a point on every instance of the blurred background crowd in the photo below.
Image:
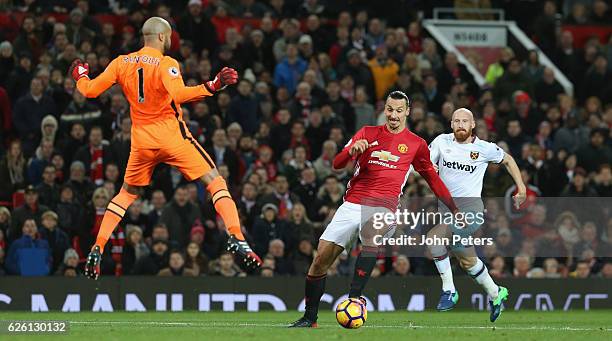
312	72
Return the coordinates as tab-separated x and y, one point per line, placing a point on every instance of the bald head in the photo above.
463	112
157	32
462	123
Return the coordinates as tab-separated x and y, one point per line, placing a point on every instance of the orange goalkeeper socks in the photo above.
225	206
114	213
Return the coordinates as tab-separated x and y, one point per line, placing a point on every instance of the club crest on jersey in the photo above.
173	71
385	156
402	148
474	155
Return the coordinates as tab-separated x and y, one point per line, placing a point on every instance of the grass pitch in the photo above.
455	325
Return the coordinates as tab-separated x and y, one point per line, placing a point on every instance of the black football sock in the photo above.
363	269
315	287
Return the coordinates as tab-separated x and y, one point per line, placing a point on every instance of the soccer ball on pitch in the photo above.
351	313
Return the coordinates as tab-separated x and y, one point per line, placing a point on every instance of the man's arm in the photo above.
91	88
354	147
422	164
173	82
515	173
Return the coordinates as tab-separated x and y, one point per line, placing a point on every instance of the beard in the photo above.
462	134
167	44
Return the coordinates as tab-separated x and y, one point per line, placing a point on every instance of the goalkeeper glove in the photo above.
79	70
227	76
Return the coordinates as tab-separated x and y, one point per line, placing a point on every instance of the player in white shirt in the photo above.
462	160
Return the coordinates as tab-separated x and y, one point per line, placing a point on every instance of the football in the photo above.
351	313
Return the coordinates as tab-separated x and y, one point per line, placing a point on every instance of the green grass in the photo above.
454	325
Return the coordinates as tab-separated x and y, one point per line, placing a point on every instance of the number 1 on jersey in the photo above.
141	96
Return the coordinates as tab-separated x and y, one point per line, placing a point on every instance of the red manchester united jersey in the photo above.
382	170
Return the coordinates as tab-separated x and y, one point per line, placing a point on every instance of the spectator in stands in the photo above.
329	197
583	270
299	227
401	267
7	62
515	137
28	255
81	185
522	265
596	153
155	261
514	79
226	267
121	142
134	248
547	89
602	182
70	264
176	266
68	210
283	266
12	171
243	108
597	79
498	267
95	156
222	155
384	72
196	27
496	70
158	201
546	27
5	224
178	216
74	141
282	198
58	239
195	260
302	257
31	209
41	159
28	114
579	185
268	227
289	69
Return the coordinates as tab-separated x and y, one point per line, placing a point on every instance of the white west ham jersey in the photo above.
462	166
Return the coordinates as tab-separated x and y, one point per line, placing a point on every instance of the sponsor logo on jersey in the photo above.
402	148
459	166
384	157
474	155
173	71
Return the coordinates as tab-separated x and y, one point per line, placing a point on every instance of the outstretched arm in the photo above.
91	88
173	82
515	173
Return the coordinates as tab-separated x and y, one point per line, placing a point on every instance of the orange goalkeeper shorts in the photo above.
178	149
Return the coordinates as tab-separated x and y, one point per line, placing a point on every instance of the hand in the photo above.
227	76
358	147
79	70
436	168
519	197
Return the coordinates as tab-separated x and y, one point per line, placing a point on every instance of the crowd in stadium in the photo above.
311	73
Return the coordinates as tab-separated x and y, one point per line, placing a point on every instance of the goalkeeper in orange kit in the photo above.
153	86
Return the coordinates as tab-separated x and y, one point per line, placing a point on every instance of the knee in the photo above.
467	262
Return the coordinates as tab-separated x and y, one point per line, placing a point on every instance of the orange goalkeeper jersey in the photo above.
154	87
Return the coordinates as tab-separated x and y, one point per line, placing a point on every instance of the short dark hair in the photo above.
399	95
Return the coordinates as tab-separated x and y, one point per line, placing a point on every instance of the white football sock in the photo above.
480	274
446	273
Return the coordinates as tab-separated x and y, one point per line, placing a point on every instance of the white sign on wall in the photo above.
462	35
